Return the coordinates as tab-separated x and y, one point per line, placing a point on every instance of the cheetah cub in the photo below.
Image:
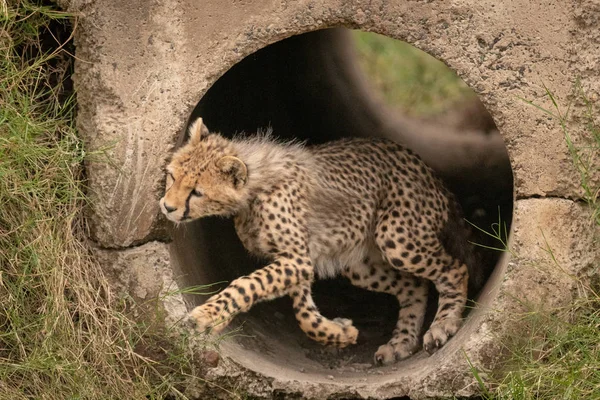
367	209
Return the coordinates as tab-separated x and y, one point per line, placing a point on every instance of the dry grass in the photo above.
62	332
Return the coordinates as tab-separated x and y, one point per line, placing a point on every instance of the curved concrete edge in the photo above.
530	277
142	67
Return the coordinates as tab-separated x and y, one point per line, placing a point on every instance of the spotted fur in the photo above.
367	209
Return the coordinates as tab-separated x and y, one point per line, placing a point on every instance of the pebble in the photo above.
211	358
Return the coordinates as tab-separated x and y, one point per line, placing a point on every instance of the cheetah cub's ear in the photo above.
197	131
234	169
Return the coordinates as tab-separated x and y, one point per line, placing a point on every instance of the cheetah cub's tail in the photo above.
456	236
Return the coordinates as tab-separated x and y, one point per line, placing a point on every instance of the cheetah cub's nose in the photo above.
168	208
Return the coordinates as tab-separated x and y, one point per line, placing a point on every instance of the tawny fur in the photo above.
367	209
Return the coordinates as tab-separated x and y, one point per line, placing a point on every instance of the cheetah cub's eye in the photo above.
196	193
170	180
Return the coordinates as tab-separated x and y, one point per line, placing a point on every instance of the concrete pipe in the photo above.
145	69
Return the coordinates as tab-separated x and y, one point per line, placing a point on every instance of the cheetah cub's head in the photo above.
204	178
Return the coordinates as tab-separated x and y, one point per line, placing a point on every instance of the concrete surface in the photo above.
144	273
142	67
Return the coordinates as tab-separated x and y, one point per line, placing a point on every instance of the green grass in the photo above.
63	334
408	78
560	356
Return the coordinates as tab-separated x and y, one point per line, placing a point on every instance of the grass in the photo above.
63	334
408	78
560	356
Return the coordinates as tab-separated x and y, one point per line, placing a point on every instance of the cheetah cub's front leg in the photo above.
272	281
286	275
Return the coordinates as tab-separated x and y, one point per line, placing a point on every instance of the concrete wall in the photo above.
142	67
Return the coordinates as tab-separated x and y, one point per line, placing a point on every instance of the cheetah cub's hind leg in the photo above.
376	275
418	252
452	288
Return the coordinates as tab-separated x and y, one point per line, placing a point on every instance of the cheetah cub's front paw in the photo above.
205	317
439	333
389	353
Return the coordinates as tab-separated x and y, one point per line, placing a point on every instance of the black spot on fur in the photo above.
416	259
396	262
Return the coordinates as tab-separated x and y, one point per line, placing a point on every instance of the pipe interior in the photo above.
309	87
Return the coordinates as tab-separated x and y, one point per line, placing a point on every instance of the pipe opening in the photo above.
311	87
